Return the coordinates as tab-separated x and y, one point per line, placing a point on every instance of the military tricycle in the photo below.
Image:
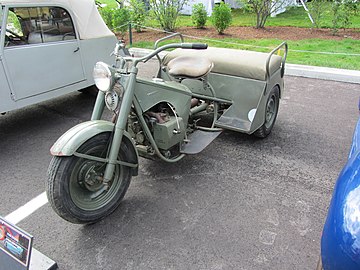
196	94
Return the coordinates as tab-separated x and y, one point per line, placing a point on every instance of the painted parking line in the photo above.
27	209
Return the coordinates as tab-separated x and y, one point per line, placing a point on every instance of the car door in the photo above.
41	50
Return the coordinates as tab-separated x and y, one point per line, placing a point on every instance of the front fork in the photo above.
120	123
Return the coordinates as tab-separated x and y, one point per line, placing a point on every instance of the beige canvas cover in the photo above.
247	64
87	18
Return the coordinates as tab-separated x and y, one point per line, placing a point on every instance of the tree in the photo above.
262	9
342	10
317	9
167	12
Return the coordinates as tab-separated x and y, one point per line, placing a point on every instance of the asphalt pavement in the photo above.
242	203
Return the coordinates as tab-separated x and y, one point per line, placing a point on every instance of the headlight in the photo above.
102	76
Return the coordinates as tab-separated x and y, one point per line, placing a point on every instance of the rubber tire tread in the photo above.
61	203
263	132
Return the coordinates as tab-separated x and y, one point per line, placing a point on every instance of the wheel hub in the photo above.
91	176
270	111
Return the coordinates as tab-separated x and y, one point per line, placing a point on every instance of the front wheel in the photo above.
271	111
75	189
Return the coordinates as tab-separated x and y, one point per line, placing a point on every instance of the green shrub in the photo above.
317	9
199	15
340	15
221	17
262	9
166	12
138	13
107	14
120	20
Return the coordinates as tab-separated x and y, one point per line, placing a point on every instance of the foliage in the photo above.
117	19
317	10
166	12
138	13
221	17
341	14
16	23
107	14
120	20
199	15
262	9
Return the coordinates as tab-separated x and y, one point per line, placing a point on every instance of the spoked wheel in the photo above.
271	111
75	187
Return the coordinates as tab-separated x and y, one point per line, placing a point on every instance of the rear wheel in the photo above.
271	111
75	188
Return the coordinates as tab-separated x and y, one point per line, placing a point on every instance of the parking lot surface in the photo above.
242	203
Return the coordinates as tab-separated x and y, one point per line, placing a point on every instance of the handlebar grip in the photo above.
199	46
196	46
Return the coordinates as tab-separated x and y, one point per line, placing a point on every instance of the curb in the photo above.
323	73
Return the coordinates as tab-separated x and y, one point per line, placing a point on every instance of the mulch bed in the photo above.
282	33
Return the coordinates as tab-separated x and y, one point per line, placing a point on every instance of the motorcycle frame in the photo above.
128	100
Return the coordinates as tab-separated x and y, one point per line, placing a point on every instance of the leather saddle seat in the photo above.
189	67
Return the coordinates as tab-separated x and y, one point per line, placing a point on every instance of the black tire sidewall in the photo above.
63	202
264	131
275	92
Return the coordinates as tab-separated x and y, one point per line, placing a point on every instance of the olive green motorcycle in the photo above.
197	93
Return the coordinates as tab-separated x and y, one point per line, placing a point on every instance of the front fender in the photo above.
72	139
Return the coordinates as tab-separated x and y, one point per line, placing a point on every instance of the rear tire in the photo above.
74	186
271	111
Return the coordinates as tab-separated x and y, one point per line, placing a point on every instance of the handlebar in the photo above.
169	37
196	46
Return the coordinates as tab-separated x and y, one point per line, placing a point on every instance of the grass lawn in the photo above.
294	16
298	50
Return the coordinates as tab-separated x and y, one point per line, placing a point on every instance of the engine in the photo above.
166	127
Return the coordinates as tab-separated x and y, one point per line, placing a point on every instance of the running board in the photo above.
198	140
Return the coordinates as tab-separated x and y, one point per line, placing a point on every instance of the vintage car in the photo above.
49	48
340	243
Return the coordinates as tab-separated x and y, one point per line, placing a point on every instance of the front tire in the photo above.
75	189
271	111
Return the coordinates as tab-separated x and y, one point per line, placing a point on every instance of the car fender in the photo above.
72	139
340	243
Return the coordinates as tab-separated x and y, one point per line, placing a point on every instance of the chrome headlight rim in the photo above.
103	76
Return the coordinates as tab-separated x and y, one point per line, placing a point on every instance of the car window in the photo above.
34	25
14	34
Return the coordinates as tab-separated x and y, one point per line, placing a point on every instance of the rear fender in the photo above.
71	140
